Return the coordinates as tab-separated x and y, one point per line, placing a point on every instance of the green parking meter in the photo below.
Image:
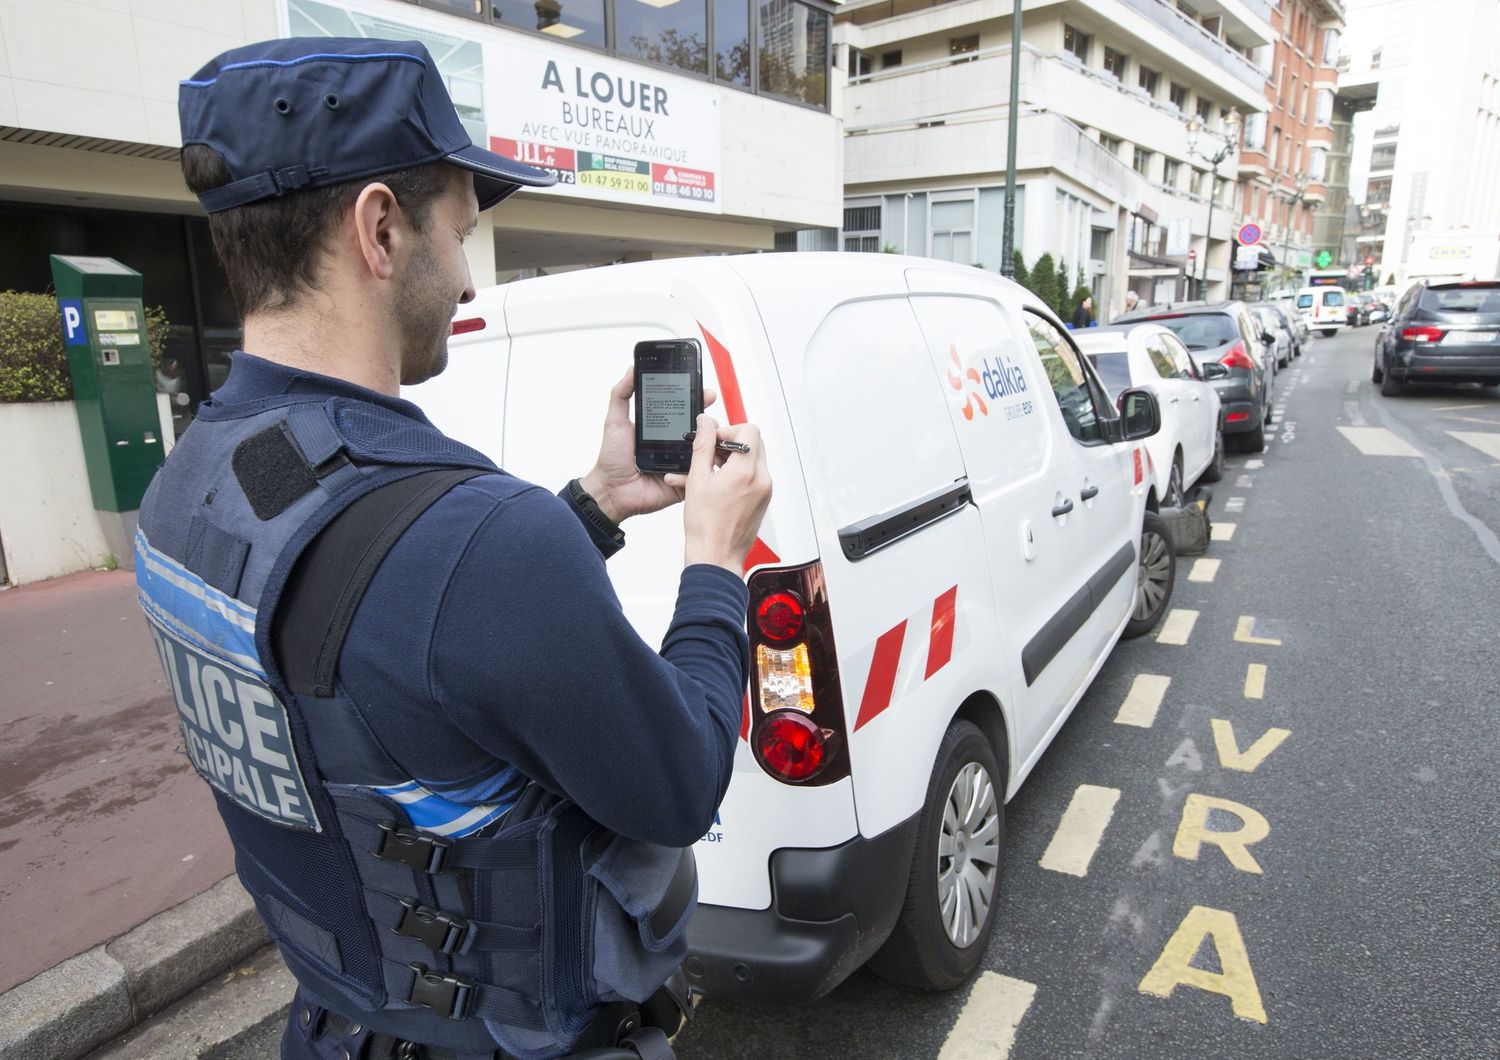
114	390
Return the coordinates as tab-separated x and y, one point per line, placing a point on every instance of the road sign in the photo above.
1246	258
1249	235
1324	259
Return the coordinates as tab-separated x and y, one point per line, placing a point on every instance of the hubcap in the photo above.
1151	575
968	854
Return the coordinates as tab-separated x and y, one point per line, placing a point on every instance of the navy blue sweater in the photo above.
491	649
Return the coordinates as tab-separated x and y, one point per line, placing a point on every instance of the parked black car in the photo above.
1225	332
1441	332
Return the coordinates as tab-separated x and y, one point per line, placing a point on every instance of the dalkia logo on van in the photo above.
1001	378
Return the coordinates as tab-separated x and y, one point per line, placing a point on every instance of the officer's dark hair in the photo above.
271	250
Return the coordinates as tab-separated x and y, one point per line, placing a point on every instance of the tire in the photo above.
1254	441
1390	386
1173	496
1284	362
1155	575
922	951
1376	372
1328	333
1215	470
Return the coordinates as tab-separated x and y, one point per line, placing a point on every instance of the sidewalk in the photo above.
103	824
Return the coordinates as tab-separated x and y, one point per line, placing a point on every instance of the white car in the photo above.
1190	444
958	537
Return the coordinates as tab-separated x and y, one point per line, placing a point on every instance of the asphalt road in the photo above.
1369	926
1363	921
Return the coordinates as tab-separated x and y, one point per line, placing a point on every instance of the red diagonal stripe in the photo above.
760	554
882	680
745	720
729	385
940	643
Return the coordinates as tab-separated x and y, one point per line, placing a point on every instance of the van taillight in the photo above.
1237	358
463	327
796	702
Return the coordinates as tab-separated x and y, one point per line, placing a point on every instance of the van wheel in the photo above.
951	892
1328	333
1155	574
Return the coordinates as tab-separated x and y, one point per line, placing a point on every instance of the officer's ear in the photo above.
379	229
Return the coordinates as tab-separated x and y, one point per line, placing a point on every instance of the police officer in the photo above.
460	788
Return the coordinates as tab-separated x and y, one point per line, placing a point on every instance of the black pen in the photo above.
733	447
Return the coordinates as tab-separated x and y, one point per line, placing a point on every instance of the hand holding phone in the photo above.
668	402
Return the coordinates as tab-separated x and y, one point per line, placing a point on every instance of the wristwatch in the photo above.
589	508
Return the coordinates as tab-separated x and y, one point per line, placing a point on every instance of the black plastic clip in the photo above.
439	931
423	852
448	995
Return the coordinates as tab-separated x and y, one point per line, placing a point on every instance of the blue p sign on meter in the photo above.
74	333
1249	235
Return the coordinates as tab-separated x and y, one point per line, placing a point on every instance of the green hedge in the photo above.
33	359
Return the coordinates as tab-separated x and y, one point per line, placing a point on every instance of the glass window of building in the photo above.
579	21
673	35
470	8
1142	162
1169	170
1317	166
1076	42
890	59
1177	94
1110	143
1205	110
1114	63
1330	46
1149	79
732	42
964	49
952	228
793	45
1325	106
1255	131
862	228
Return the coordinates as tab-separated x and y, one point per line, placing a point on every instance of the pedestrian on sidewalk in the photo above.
1083	313
461	789
1131	301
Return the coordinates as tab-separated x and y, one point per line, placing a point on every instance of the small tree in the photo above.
1022	275
1061	305
1042	280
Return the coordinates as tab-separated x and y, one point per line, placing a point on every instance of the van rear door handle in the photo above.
1088	493
1062	509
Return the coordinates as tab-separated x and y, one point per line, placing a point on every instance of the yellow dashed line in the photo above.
1243	633
1255	681
1178	626
986	1028
1143	700
1222	531
1080	830
1204	570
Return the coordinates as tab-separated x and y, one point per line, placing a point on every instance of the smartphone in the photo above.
668	402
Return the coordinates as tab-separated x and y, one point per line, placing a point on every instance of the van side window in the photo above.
1068	379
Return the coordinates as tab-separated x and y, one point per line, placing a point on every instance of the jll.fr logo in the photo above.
956	381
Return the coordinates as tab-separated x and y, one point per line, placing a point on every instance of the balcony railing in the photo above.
1200	40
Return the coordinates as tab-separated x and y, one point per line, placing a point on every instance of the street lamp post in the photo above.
1228	137
1008	233
1291	206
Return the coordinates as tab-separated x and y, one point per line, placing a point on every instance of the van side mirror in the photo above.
1213	370
1140	414
1269	338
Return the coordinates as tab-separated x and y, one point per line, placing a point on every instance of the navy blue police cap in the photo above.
306	112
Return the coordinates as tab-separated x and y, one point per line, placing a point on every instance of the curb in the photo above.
90	999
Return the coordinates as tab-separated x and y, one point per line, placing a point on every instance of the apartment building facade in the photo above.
89	138
1106	179
1287	162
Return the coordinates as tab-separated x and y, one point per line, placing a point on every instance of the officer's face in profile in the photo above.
436	280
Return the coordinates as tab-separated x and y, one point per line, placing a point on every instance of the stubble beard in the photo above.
424	314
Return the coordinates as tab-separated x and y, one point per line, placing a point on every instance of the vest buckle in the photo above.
423	852
439	931
448	995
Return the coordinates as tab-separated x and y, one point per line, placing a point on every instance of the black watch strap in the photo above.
593	514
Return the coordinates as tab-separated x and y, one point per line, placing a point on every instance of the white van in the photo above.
958	537
1323	309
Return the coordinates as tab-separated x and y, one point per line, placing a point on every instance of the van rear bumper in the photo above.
831	910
